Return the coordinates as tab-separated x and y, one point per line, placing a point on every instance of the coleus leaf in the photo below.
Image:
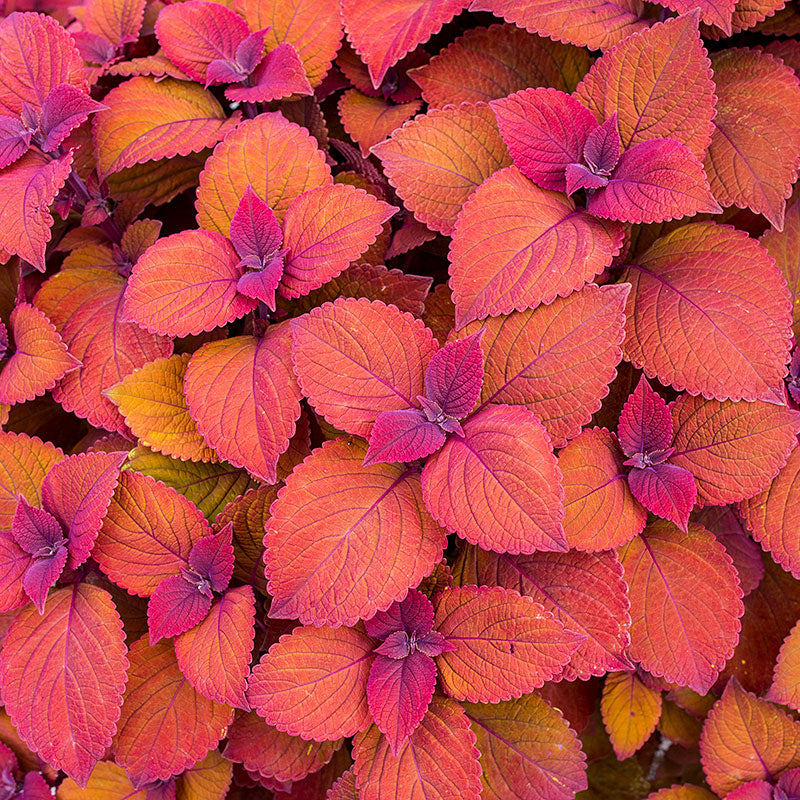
39	359
75	656
454	376
403	435
149	120
746	738
280	74
15	139
752	158
313	683
785	687
583	591
712	12
175	606
84	306
370	120
499	485
165	725
527	750
185	284
119	21
324	230
359	348
244	398
196	33
211	558
504	644
344	788
413	615
675	292
279	159
516	245
645	424
439	759
63	110
784	247
666	490
685	622
108	781
772	515
152	401
27	189
557	359
383	31
488	63
732	449
215	654
151	525
267	751
438	159
630	710
600	511
658	82
14	563
335	579
36	55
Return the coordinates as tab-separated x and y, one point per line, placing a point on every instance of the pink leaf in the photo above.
212	558
403	435
668	491
34	529
14	562
255	231
454	376
262	283
645	424
43	572
280	74
414	615
174	607
602	148
64	109
15	139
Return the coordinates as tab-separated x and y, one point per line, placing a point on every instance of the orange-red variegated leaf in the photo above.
148	525
489	63
148	120
679	332
752	160
119	21
438	761
84	306
785	687
165	725
279	159
658	82
313	683
746	739
152	401
369	120
208	779
515	246
630	710
244	398
38	360
74	656
733	449
438	159
685	603
344	540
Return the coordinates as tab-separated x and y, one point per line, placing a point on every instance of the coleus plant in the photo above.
397	403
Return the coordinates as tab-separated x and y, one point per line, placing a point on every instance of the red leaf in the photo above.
383	31
645	424
356	348
74	656
596	24
64	109
685	604
438	159
14	562
438	761
84	306
558	359
403	435
255	230
280	74
785	687
658	82
39	359
36	55
732	449
630	710
583	591
784	247
454	375
666	490
488	63
165	725
505	644
752	159
150	525
527	750
499	486
599	509
516	245
773	515
313	683
27	190
15	139
674	308
324	230
328	526
745	739
215	654
265	750
175	606
244	398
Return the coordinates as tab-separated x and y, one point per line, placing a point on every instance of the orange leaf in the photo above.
785	687
369	120
107	782
630	712
209	779
119	21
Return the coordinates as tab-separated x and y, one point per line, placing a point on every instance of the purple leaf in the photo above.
645	424
212	558
15	139
454	376
34	530
221	70
280	74
601	151
794	376
251	50
175	606
261	284
43	573
667	490
395	645
581	177
434	413
414	615
255	231
64	109
403	435
94	48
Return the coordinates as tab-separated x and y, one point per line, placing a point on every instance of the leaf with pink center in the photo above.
64	109
399	691
414	615
212	558
602	148
177	604
545	131
454	376
280	74
403	435
667	490
255	231
645	424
